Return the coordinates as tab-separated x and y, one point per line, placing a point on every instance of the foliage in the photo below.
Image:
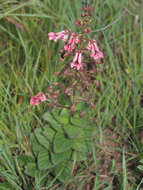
27	63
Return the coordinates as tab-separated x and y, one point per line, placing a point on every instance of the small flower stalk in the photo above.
79	74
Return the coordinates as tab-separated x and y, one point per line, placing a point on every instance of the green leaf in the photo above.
36	147
63	171
44	160
64	111
30	169
24	159
60	157
77	121
48	117
49	132
90	131
74	131
81	106
63	117
79	145
61	143
41	138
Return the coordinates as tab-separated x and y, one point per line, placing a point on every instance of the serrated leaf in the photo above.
36	147
49	132
63	119
74	131
44	160
63	116
24	159
61	143
60	157
63	171
77	121
41	138
79	145
30	169
48	117
141	161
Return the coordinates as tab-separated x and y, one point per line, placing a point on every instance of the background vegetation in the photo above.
27	63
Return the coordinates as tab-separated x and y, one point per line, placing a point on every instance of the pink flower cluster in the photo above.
95	52
63	35
74	39
35	100
70	46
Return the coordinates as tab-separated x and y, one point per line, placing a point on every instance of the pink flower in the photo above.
74	39
63	35
35	100
77	61
95	52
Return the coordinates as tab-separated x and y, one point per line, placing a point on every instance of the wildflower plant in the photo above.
66	137
79	75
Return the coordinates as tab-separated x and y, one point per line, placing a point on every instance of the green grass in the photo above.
27	63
